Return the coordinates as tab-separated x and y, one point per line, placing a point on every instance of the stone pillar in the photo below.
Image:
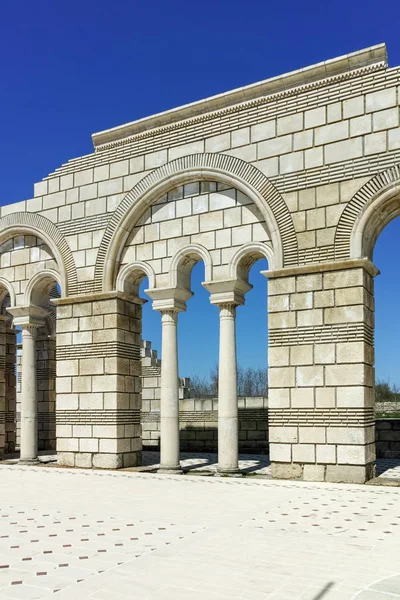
11	391
169	301
228	441
321	375
169	401
29	319
98	380
227	294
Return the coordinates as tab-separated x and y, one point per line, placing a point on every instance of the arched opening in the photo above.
387	331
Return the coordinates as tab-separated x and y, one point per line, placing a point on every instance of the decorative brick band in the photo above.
98	417
207	416
110	349
84	225
43	417
293	336
45	374
356	205
321	417
316	255
10	416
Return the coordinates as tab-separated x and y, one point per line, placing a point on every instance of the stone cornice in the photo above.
113	295
321	74
363	263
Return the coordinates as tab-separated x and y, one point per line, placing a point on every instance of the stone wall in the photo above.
387	432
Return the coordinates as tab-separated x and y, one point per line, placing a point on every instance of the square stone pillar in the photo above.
321	376
11	391
98	381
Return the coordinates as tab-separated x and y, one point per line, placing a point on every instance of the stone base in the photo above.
286	470
170	470
229	473
29	461
88	460
350	473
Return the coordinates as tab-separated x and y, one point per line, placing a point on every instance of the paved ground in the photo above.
109	536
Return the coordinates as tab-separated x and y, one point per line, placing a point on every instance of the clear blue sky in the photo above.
69	69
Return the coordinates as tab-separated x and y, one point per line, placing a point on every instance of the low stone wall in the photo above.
198	419
387	435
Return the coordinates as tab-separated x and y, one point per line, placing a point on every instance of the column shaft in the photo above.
29	425
227	392
169	405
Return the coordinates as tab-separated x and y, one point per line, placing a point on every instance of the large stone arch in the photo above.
34	224
370	209
219	167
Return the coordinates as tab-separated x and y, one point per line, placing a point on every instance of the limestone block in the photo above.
301	355
65	459
290	124
325	397
351	455
312	435
354	397
263	131
361	125
83	460
355	352
344	314
218	143
315	117
375	142
309	376
331	133
314	473
67	368
324	299
107	461
326	454
282	285
346	474
278	398
341	279
353	107
375	101
91	401
278	356
280	452
200	204
353	374
88	445
283	435
268	166
314	157
274	147
64	385
303	453
67	445
394	139
232	217
307	318
286	470
309	282
327	194
301	301
240	137
289	163
281	320
324	354
302	398
222	200
101	173
210	221
346	150
347	435
81	384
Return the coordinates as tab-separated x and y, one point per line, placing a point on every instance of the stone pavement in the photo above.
108	535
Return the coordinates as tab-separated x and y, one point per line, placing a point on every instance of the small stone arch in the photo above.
219	167
130	276
183	263
37	225
246	256
364	217
6	288
40	285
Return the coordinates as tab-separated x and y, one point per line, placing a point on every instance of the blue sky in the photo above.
69	69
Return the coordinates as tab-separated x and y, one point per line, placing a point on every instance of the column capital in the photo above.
227	291
324	267
169	299
28	317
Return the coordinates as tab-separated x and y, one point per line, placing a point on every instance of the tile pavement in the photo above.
110	535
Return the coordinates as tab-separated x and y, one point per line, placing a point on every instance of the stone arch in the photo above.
357	229
40	284
31	223
7	288
219	167
183	263
130	276
246	256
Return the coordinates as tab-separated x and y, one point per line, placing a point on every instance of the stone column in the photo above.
227	294
29	319
169	301
169	404
227	392
3	351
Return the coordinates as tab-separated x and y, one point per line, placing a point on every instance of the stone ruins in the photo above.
301	169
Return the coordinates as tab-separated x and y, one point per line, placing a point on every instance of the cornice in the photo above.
264	92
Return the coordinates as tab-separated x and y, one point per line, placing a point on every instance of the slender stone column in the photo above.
29	426
227	392
29	318
169	405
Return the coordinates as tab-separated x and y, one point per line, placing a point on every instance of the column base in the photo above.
221	472
170	470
